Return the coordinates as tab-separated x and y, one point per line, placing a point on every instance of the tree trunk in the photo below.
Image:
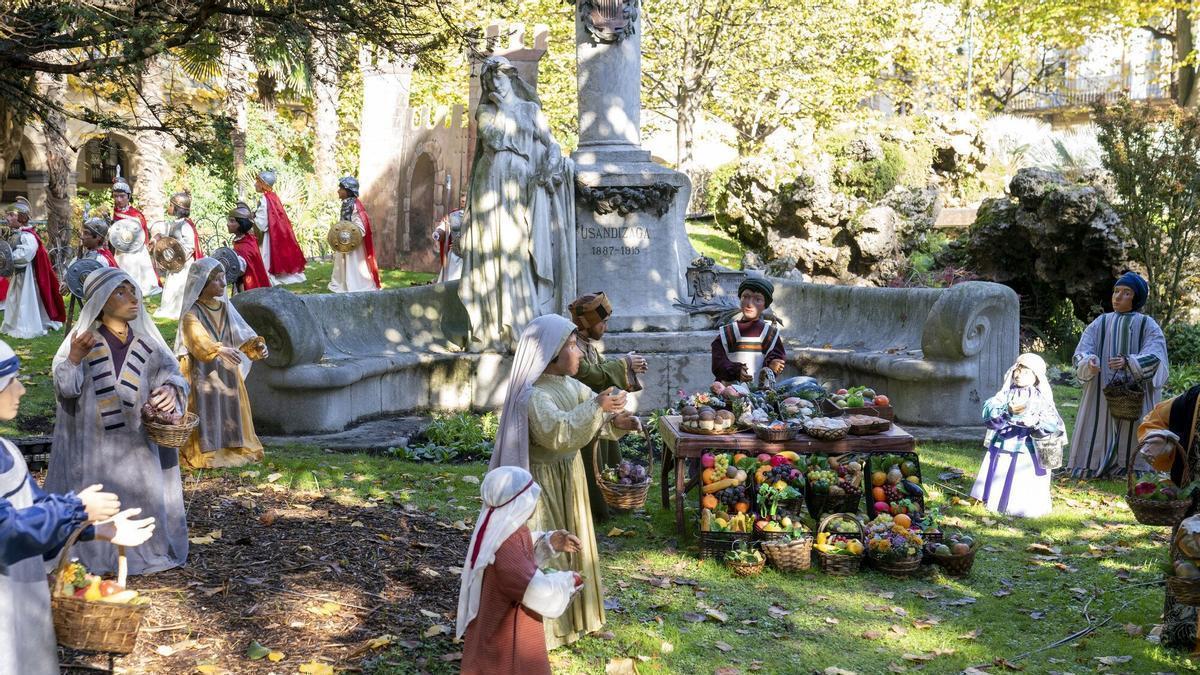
325	100
59	157
153	169
238	87
11	129
685	130
1185	93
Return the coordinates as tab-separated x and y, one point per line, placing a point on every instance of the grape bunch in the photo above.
732	495
784	472
821	479
891	493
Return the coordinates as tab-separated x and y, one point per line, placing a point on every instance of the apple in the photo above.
882	507
1144	488
707	460
842	392
108	587
764	458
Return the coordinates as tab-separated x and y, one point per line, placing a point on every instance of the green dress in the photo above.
599	373
563	418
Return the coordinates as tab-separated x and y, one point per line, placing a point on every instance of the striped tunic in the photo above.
1101	445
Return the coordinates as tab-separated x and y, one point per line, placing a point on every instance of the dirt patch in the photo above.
304	575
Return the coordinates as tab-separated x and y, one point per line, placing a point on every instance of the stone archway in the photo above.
422	185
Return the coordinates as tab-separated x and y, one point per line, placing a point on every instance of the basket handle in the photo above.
649	455
862	535
64	559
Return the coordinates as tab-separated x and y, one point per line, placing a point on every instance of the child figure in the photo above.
1018	417
215	346
746	346
239	225
34	526
94	237
504	596
113	363
590	313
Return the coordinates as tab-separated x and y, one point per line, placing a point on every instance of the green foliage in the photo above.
718	189
873	179
1057	335
459	436
1153	155
1183	376
1183	343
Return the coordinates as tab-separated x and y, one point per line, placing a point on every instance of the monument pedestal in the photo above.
630	238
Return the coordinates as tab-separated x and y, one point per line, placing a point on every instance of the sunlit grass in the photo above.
712	242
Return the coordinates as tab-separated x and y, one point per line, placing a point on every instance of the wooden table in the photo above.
683	445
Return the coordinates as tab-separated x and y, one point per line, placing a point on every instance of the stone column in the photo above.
386	86
630	236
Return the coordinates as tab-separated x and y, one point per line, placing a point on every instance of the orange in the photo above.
706	476
882	400
902	520
878	494
737	458
741	507
878	478
708	502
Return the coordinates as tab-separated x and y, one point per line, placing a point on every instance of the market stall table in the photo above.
683	445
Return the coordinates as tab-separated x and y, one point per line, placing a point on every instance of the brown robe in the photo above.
506	637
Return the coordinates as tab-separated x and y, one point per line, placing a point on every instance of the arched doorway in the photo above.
420	203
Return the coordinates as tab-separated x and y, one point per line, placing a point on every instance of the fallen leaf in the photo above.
898	629
620	667
431	615
316	668
897	668
723	646
666	648
965	600
661	582
451	657
926	594
436	630
778	612
971	635
255	651
727	670
919	658
694	617
899	611
381	641
1001	592
275	657
473	480
200	541
209	669
887	595
871	635
1078	591
717	615
1043	549
357	523
1133	630
831	621
461	526
616	532
832	670
274	477
1007	665
1114	660
1037	615
613	605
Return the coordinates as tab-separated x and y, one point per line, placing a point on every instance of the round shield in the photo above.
169	255
232	263
77	273
7	269
126	236
344	236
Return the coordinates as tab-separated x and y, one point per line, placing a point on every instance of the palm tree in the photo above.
59	155
152	145
325	99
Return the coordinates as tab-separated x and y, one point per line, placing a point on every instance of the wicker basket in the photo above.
735	429
1124	396
94	626
746	569
625	497
790	556
719	544
776	435
870	429
957	565
827	434
902	567
1185	591
835	564
172	435
1153	512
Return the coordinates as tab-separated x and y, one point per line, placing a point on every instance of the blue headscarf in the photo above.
1135	282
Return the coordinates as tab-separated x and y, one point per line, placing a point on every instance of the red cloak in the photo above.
131	212
197	253
286	256
256	271
3	289
368	241
47	281
103	252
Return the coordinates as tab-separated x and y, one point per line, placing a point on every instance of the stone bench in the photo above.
938	353
339	359
336	359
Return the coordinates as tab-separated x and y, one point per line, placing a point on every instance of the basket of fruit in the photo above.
776	432
724	504
955	555
91	613
866	425
745	560
1160	503
892	546
895	485
791	553
838	545
168	430
834	485
827	428
625	485
862	401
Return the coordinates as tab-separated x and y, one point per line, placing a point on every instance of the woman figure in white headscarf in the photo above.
112	363
504	597
1020	417
215	346
548	417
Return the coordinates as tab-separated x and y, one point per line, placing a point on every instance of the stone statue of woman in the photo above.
518	238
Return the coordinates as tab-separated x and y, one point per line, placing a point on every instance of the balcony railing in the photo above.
1080	97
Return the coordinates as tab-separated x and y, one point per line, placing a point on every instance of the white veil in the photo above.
197	279
509	498
97	289
540	342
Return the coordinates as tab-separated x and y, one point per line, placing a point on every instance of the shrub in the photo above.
1183	344
455	436
873	179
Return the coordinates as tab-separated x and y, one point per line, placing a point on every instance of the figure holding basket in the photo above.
112	369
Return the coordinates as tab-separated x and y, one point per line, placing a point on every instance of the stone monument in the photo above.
630	236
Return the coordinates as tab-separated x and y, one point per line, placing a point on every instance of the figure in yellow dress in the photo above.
215	346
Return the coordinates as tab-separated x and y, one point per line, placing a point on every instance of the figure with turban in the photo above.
1124	341
590	313
281	253
34	526
504	596
744	347
33	305
355	270
94	237
113	364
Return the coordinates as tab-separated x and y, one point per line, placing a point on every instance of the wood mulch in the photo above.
310	577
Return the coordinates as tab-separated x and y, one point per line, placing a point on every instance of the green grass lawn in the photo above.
714	243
